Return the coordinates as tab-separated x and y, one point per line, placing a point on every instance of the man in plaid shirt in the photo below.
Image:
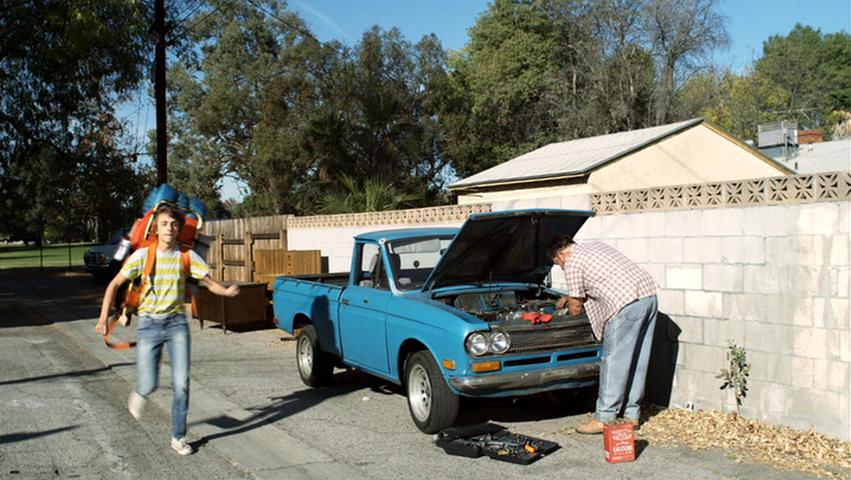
619	298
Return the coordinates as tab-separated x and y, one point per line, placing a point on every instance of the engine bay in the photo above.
510	306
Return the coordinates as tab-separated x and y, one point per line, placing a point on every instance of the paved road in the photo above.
63	414
250	410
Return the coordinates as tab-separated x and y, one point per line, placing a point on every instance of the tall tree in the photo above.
812	68
291	116
57	88
683	34
509	85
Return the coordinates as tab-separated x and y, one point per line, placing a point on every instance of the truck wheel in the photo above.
314	365
432	405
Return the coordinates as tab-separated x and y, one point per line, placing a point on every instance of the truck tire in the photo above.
432	405
314	366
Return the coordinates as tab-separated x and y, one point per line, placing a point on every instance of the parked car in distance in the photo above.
445	313
99	261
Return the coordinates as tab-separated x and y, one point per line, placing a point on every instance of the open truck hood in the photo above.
504	247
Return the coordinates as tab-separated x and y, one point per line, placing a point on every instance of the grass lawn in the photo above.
53	255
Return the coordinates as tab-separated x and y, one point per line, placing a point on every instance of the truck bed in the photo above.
337	278
314	297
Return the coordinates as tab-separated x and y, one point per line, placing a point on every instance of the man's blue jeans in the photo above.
152	334
627	340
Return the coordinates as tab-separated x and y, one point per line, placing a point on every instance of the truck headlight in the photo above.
480	343
477	344
499	342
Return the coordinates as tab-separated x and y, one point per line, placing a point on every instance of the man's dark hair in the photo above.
557	244
173	213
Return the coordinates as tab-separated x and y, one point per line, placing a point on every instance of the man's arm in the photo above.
108	300
574	305
217	288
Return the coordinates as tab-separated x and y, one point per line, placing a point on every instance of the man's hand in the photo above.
231	291
573	305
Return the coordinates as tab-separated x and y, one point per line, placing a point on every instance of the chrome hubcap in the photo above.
305	356
419	393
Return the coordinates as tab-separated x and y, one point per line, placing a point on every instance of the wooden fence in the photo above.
232	243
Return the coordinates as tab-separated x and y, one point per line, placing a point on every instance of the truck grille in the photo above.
570	334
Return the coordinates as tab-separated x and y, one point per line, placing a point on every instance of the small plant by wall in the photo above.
735	377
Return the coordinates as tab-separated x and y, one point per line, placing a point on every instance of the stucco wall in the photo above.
527	194
696	155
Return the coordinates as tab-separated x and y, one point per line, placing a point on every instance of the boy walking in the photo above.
161	318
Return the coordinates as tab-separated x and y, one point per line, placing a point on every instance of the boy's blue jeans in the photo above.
152	334
629	334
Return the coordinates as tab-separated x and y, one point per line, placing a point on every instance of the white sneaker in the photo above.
136	404
180	446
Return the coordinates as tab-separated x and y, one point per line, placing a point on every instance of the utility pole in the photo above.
159	90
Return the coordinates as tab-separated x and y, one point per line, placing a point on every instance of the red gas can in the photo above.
619	442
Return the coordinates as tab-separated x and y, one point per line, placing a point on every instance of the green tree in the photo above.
374	194
749	100
509	85
63	65
264	100
813	68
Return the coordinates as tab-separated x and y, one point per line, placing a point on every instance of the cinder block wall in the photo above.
771	278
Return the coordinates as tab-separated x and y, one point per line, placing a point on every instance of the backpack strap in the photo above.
149	268
133	298
186	261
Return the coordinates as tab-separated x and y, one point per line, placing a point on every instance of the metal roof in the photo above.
574	157
821	157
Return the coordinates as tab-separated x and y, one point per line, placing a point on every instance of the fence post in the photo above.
282	239
248	244
220	255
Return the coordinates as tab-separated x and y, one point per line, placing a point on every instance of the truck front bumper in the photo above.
518	383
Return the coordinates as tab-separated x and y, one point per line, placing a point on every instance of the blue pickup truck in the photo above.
445	313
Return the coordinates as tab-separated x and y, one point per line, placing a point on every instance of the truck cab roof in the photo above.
403	233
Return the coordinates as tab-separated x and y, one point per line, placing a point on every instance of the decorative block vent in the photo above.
761	191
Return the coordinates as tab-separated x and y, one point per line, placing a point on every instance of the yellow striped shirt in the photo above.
166	294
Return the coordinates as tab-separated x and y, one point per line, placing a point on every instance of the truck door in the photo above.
363	311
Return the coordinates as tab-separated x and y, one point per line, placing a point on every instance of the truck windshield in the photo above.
413	259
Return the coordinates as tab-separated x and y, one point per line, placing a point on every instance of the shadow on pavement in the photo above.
278	409
21	436
81	373
74	291
530	408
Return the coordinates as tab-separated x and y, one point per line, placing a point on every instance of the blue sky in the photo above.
750	23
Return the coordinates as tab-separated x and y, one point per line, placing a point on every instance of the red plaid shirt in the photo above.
606	279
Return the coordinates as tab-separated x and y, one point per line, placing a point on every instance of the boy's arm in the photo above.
108	300
218	289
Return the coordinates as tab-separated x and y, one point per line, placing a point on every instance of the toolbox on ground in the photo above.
494	441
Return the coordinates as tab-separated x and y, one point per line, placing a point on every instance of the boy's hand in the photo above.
232	291
101	326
